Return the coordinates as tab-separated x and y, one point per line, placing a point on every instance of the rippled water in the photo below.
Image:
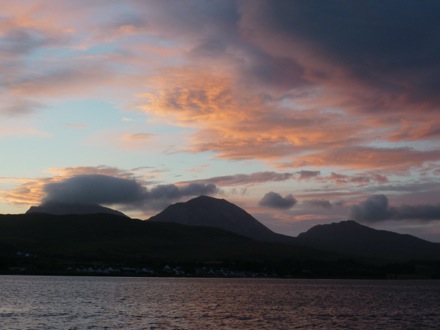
32	302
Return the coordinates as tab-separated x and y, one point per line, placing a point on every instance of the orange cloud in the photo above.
29	192
191	97
240	124
137	137
416	128
237	123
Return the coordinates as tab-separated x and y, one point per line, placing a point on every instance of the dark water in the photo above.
31	302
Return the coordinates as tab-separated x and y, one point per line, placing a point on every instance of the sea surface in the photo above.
45	302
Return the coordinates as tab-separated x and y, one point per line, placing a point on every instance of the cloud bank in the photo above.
376	209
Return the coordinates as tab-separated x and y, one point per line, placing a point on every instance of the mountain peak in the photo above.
218	213
204	199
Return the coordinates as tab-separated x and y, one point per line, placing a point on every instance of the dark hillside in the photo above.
109	238
349	237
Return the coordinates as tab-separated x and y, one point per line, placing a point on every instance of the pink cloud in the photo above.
367	157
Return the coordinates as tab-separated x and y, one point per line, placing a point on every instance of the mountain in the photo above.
59	208
209	233
350	237
218	213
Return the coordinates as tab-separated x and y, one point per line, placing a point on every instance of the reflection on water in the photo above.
32	302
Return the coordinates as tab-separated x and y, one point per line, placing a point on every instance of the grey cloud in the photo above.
104	189
304	175
18	105
170	192
281	73
161	196
388	45
215	31
419	212
95	189
18	42
191	18
275	200
375	208
376	31
321	203
359	180
73	78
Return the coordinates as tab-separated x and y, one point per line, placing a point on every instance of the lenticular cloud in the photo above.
95	189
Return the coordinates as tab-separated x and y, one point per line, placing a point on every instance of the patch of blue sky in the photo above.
19	152
94	114
66	126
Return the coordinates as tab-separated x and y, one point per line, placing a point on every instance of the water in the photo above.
32	302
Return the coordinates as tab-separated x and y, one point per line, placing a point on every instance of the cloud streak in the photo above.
247	179
320	203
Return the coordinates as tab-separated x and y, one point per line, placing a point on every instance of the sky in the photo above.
300	112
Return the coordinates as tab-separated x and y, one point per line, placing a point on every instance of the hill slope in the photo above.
349	237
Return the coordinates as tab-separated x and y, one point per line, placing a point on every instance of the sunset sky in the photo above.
300	112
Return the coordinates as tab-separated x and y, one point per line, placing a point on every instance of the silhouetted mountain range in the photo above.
202	230
44	243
